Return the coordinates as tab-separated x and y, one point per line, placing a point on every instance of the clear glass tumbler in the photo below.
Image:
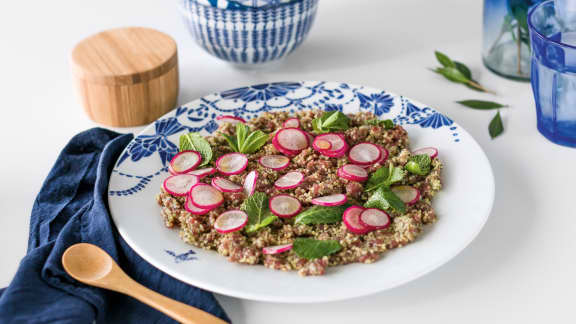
553	73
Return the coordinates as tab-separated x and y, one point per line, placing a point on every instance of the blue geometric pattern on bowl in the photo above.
248	102
252	36
243	4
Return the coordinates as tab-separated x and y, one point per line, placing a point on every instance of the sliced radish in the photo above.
230	221
409	195
320	144
193	209
374	218
338	144
277	249
290	180
365	153
284	206
180	184
351	218
274	162
353	172
291	139
331	200
310	137
230	119
385	154
430	151
185	161
250	182
205	196
203	172
232	163
291	123
225	185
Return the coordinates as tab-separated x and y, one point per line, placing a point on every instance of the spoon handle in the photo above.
178	311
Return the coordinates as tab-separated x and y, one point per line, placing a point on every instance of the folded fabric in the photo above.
71	208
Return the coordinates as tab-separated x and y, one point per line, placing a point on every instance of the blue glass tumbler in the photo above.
553	73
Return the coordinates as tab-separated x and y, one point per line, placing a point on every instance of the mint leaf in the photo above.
330	121
386	123
496	127
308	248
246	141
259	216
463	69
419	164
231	142
384	199
321	215
384	177
254	142
481	104
196	142
444	60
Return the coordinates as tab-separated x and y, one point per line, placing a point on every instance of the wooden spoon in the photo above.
91	265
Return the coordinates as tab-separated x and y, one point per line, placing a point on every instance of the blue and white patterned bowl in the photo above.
250	35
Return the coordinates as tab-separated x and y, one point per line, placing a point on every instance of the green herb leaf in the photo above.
384	177
321	215
496	127
308	248
419	164
330	121
452	74
384	199
386	123
196	142
245	141
444	60
463	69
480	104
259	216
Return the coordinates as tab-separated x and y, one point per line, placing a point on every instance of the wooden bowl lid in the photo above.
124	56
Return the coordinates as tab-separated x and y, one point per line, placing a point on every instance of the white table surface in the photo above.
521	269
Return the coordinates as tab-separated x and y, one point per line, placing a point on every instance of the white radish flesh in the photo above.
250	183
225	185
409	195
291	123
351	218
277	249
290	180
332	200
353	172
180	184
230	119
292	139
365	154
185	161
274	162
205	196
374	218
203	172
284	206
193	209
432	152
232	163
230	221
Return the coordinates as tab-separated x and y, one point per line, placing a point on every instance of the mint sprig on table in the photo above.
259	215
496	127
196	142
321	215
379	184
457	72
246	141
310	249
330	121
386	123
419	164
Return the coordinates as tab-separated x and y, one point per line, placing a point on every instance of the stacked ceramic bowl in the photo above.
249	32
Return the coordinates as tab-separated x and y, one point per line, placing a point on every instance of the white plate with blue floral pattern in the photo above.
463	206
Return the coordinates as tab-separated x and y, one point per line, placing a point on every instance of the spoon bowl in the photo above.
87	262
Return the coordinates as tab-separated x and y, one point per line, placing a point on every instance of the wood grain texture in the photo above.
126	76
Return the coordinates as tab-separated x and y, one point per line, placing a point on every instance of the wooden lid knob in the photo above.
127	76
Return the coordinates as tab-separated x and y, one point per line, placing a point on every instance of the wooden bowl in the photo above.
126	76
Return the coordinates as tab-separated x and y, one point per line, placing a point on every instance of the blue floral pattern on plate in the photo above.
161	141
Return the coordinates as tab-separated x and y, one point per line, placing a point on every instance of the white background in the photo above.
521	269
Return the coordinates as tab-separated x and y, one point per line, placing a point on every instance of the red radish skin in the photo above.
409	195
185	161
290	180
291	123
338	144
282	149
385	155
274	162
374	218
225	185
331	200
230	221
351	218
179	184
277	249
353	172
203	172
205	196
432	152
193	209
292	139
250	182
232	163
365	153
284	206
172	172
230	119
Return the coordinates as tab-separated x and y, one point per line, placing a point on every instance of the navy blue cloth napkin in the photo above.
70	208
